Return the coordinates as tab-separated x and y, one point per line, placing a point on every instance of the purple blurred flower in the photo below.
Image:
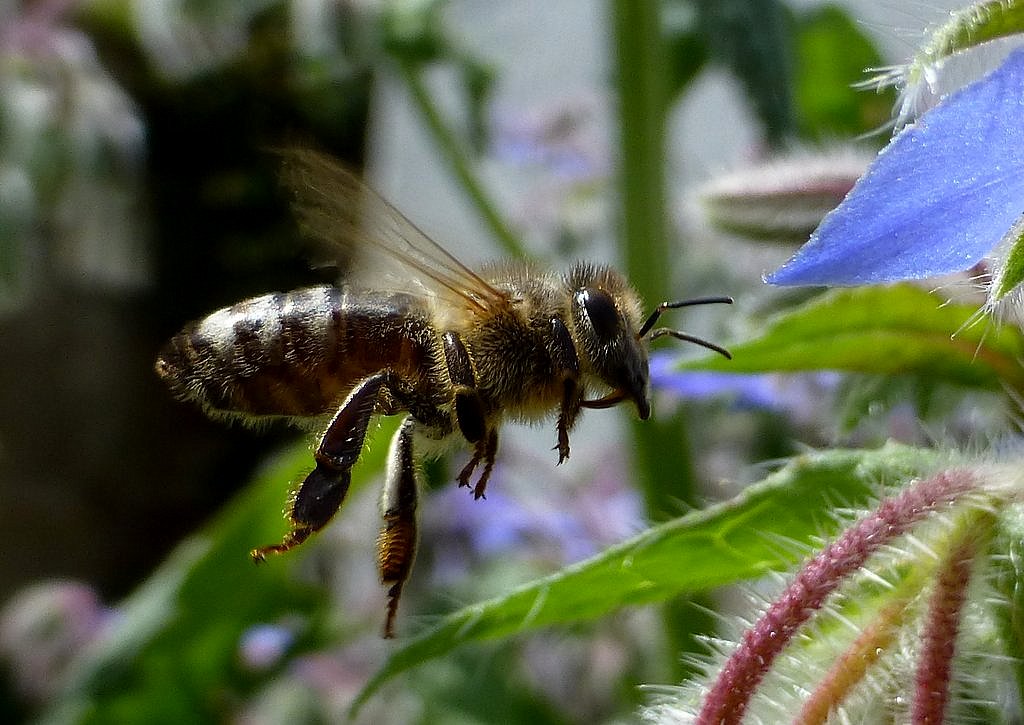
561	151
263	646
485	529
319	687
563	140
38	30
43	628
792	393
560	523
937	200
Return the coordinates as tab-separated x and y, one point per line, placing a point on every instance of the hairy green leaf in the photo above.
758	531
899	329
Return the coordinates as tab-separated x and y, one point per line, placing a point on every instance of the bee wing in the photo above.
374	243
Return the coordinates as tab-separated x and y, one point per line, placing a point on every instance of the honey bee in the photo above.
412	331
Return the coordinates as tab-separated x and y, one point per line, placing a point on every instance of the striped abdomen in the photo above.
298	353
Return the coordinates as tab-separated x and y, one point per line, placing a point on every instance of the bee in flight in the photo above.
413	332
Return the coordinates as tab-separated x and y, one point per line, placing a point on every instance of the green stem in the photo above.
663	462
662	457
459	160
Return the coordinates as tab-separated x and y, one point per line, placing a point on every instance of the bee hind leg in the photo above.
322	492
396	542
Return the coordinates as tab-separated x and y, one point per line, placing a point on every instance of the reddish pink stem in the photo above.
931	686
850	667
730	694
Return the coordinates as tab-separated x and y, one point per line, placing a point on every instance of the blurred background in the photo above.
138	191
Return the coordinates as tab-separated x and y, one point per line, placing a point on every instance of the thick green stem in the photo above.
663	465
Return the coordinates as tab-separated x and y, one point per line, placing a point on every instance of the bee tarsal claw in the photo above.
291	540
259	555
467	471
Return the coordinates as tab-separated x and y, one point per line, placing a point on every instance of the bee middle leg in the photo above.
486	450
322	492
470	414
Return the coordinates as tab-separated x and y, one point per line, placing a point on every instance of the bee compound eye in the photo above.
601	311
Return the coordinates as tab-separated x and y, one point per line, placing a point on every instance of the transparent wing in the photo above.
375	245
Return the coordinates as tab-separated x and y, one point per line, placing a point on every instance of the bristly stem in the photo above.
850	667
730	695
459	160
942	624
968	27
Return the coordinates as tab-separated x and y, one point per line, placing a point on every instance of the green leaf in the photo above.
413	31
832	55
685	48
734	540
754	38
883	330
177	637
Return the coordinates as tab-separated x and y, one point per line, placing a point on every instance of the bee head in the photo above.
606	317
614	336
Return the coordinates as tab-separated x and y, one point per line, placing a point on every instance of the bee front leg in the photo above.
567	366
567	417
322	492
396	542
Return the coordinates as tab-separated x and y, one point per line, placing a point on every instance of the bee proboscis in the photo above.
412	331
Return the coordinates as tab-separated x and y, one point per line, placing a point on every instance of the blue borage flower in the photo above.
937	200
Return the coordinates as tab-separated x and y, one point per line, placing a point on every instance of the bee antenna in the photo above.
686	337
660	309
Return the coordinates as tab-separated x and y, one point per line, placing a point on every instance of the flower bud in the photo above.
782	199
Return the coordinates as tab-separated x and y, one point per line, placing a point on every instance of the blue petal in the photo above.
937	199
